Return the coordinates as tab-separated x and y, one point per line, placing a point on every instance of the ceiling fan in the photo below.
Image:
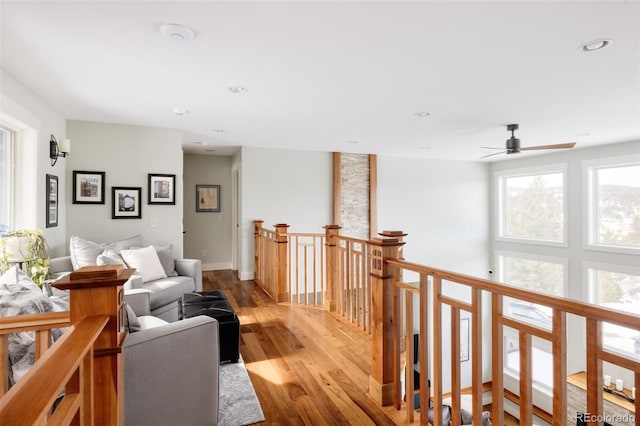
513	144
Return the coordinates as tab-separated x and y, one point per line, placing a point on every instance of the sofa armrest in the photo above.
140	300
190	268
162	362
58	265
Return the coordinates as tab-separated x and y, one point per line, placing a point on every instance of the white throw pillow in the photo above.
146	263
83	252
110	257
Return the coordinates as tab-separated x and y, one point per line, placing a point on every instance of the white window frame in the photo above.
8	181
499	224
590	201
589	269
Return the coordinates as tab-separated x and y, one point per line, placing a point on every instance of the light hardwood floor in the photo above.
307	367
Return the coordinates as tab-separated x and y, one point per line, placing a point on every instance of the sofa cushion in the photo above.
85	253
165	254
110	257
146	263
167	290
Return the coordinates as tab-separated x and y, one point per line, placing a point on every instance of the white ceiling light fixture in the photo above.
177	32
238	89
217	130
594	45
422	114
352	142
180	111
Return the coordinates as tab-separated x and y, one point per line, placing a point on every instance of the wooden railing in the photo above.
305	277
86	361
365	286
67	365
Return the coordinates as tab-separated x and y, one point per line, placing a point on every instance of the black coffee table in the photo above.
215	304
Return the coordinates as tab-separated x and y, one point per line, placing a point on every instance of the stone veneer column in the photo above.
354	199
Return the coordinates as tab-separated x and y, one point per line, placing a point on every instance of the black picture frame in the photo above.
126	202
88	187
52	201
161	189
208	198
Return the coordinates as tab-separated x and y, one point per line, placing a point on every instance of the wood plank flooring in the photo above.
307	367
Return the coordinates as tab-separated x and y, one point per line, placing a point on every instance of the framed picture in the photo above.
207	198
52	201
88	187
126	202
162	189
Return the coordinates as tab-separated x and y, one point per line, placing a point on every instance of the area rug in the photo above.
239	404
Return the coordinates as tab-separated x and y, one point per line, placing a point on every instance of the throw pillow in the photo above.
127	243
83	252
131	322
165	254
146	263
110	257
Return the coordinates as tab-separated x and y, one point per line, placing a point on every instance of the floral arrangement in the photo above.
33	253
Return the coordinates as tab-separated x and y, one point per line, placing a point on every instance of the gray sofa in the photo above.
182	275
171	371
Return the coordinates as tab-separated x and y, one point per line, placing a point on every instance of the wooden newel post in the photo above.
257	270
331	241
103	296
282	258
381	378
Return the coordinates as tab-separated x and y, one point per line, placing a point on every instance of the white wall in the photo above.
21	108
443	207
575	252
278	186
127	154
208	235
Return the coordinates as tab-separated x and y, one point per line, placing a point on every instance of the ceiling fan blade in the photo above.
495	153
491	147
556	146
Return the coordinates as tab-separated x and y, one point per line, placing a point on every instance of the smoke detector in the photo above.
177	32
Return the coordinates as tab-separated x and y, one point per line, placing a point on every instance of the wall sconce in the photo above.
58	149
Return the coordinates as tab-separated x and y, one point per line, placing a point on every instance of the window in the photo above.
614	204
618	288
539	273
531	205
6	179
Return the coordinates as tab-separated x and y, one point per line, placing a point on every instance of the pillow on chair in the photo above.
146	263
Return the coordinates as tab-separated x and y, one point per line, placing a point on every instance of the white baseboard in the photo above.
246	275
216	266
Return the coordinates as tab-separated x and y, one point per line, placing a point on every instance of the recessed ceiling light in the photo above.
180	111
352	142
594	45
425	147
198	143
177	32
421	114
217	130
209	150
583	135
238	89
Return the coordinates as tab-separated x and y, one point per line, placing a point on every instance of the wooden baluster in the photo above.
455	366
437	351
381	378
476	352
4	364
423	350
497	360
409	388
332	266
559	332
526	382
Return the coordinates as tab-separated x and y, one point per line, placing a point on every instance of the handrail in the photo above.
67	364
40	324
430	286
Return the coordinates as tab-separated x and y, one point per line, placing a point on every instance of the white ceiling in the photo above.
320	74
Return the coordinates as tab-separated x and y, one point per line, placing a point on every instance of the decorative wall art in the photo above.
207	198
162	189
126	202
88	187
52	201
